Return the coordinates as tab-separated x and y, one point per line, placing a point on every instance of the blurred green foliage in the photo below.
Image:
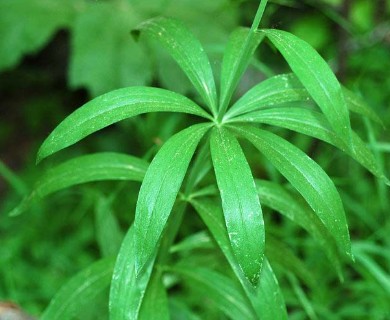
48	49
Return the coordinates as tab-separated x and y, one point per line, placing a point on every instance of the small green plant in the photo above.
310	101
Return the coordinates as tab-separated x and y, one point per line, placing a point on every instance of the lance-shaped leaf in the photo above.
93	167
317	78
187	52
314	124
80	292
278	198
266	305
159	190
240	202
285	88
112	107
307	177
128	291
270	92
225	294
239	50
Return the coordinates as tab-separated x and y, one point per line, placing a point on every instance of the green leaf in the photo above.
278	198
109	235
113	107
268	93
128	291
317	78
307	177
239	50
155	304
280	254
267	306
224	293
240	202
285	88
80	292
187	52
22	30
110	59
160	188
93	167
314	124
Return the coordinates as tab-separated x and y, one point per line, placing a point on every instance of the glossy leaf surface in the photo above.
127	291
80	291
239	50
317	78
314	124
240	202
88	168
268	93
307	177
160	188
187	52
113	107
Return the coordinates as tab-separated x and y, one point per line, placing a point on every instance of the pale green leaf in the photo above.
316	77
278	198
80	291
128	291
314	124
267	306
240	202
21	28
160	188
187	52
307	177
93	167
224	293
239	50
104	56
113	107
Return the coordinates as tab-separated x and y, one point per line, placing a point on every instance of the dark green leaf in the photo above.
113	107
307	177
314	124
160	188
155	302
240	202
278	198
93	167
224	293
188	53
80	291
280	254
109	236
128	291
267	306
239	50
317	78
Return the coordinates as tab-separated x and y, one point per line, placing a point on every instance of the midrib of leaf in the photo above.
225	149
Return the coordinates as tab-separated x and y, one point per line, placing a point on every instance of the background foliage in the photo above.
84	49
